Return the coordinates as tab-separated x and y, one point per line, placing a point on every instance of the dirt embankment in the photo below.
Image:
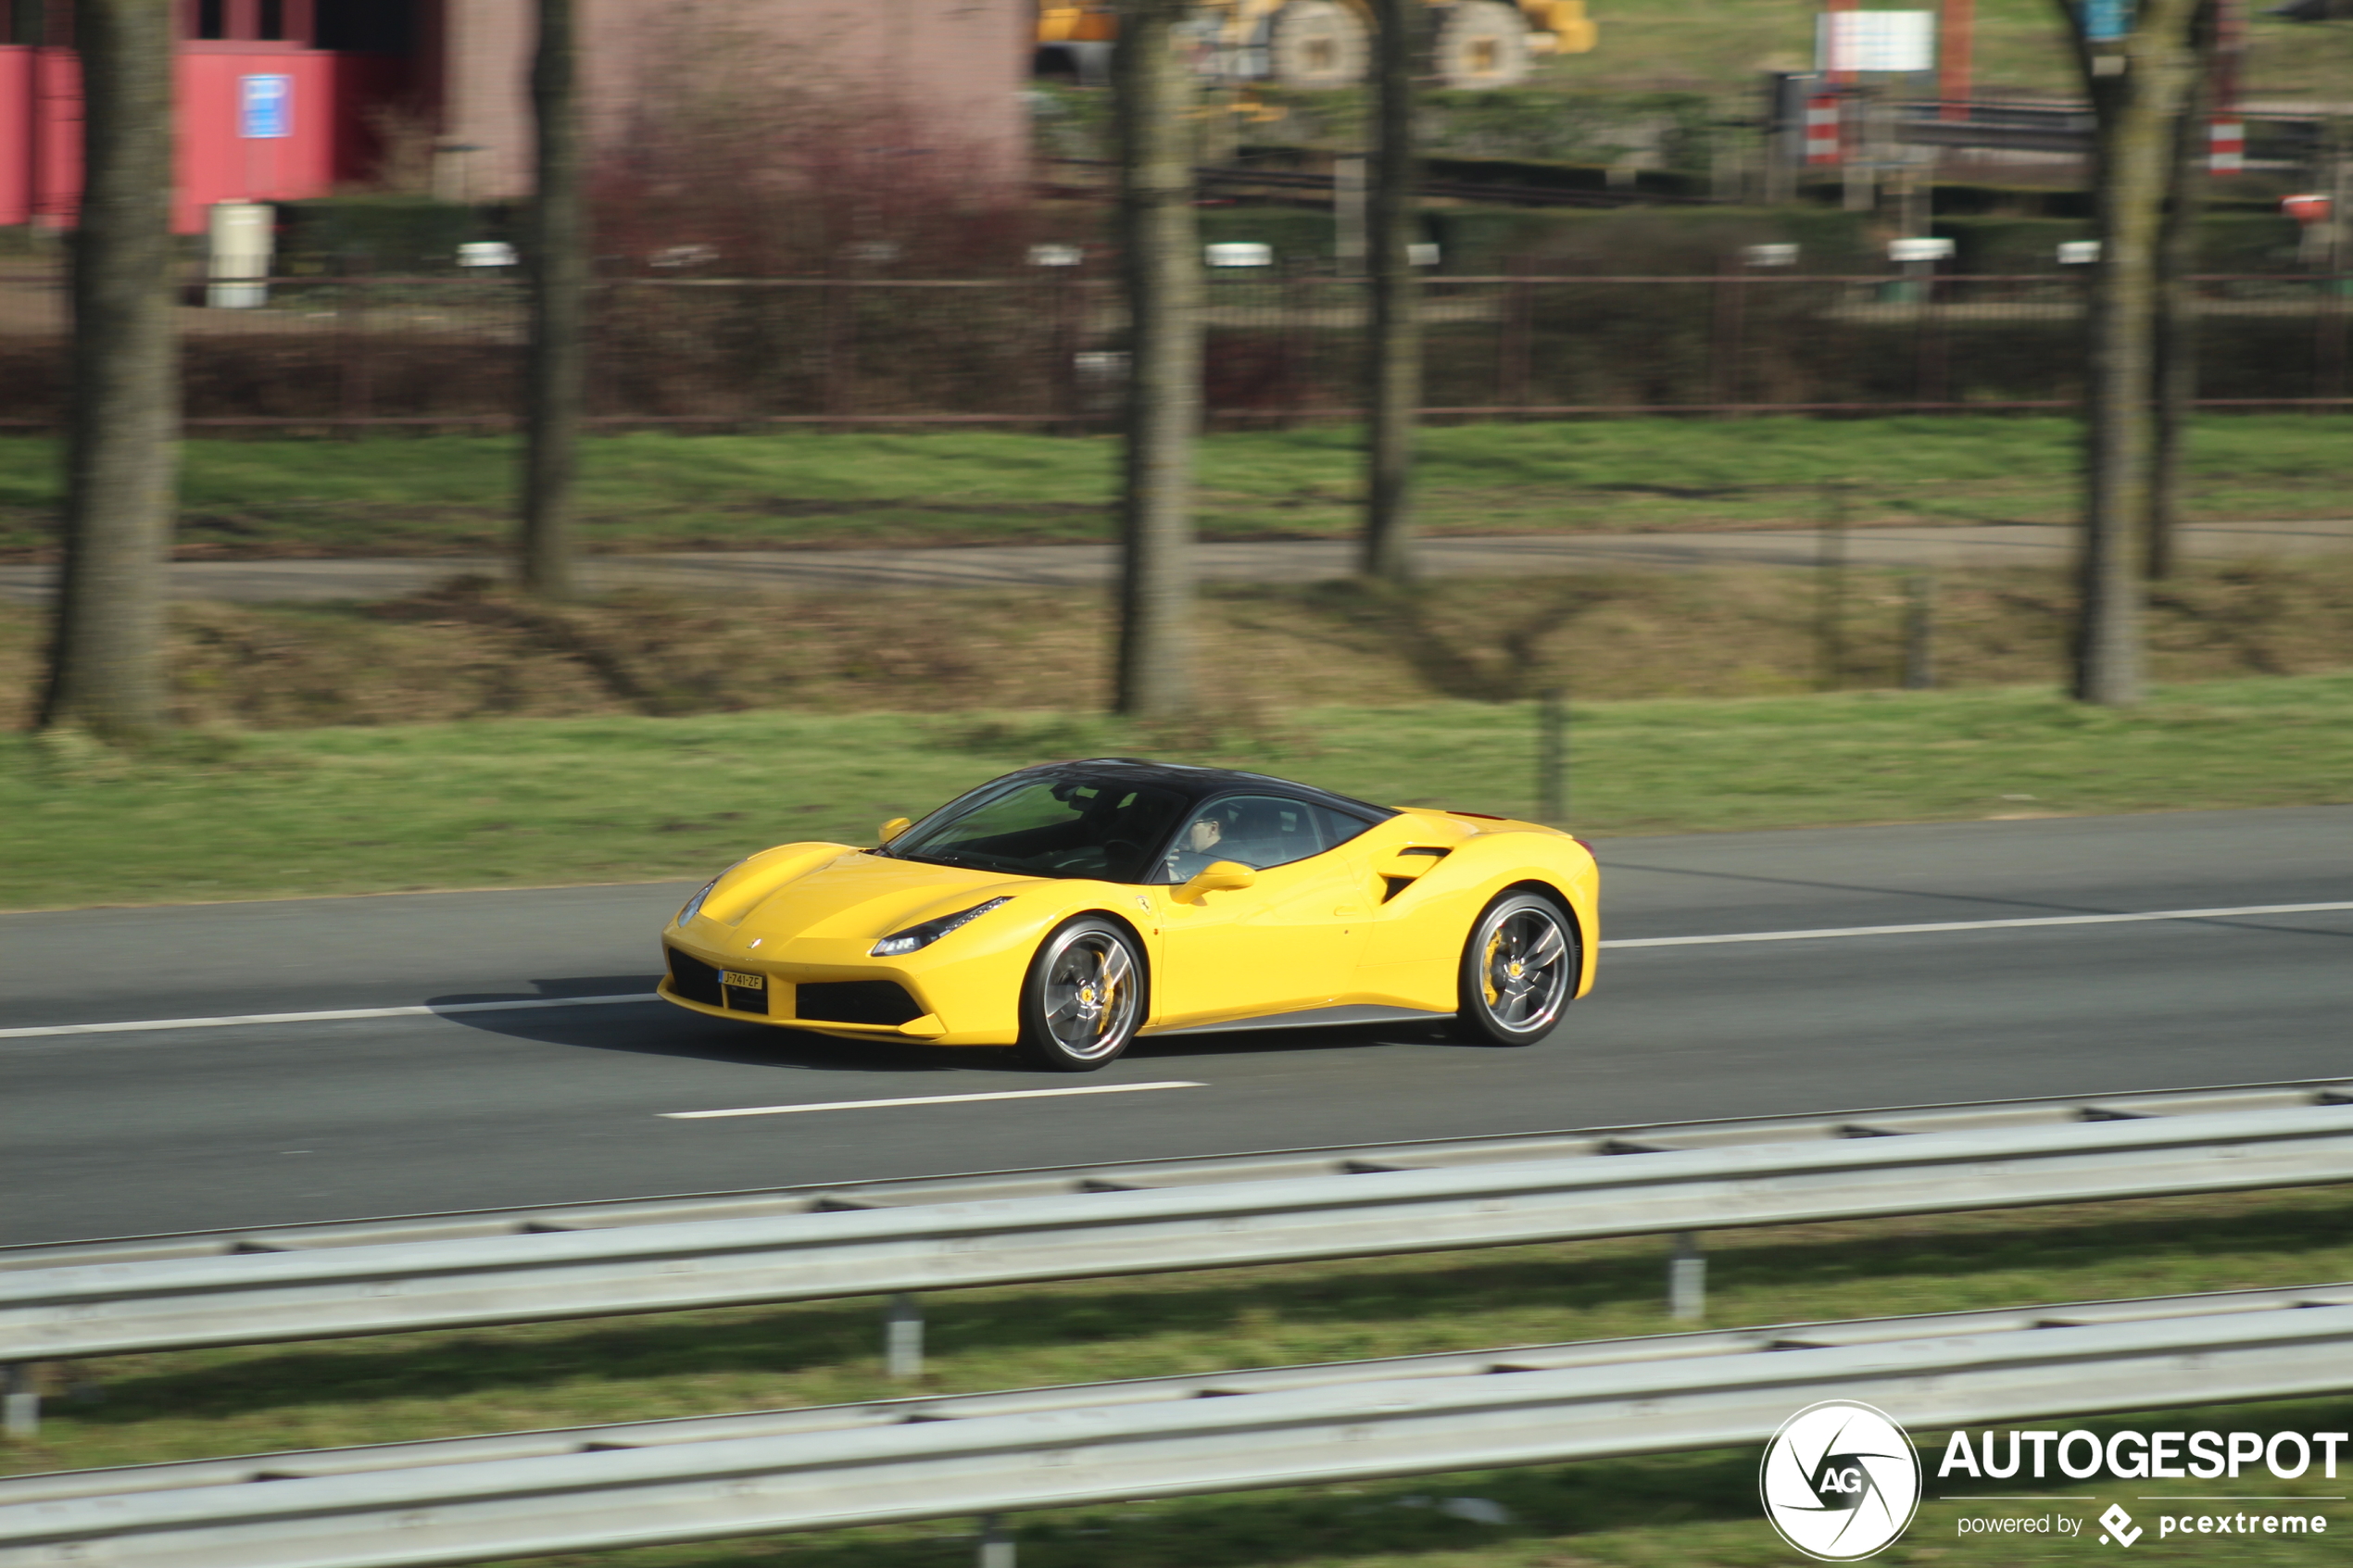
470	648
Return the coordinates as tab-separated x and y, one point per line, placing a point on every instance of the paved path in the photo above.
1288	560
250	1123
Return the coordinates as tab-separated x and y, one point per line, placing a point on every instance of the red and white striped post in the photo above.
1822	127
2226	145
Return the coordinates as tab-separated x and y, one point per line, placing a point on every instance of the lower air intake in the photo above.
855	1001
695	980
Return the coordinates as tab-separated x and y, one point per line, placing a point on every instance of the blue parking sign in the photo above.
265	107
2105	21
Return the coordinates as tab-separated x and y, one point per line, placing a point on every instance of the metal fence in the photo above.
471	1499
112	1306
1046	350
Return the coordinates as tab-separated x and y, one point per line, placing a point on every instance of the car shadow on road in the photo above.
652	1027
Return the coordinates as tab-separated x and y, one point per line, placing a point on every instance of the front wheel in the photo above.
1519	972
1082	999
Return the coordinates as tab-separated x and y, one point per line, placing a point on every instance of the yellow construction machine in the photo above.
1325	42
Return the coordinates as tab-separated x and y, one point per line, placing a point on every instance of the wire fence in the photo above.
1048	350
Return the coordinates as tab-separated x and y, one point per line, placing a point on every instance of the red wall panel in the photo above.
216	163
40	134
329	145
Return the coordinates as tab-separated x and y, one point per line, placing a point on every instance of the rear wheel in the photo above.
1317	43
1520	969
1084	997
1482	44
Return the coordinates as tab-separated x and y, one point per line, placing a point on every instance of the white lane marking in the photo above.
442	1011
1974	925
1620	942
925	1099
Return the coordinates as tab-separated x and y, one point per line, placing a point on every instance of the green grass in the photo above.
1673	1508
486	803
453	494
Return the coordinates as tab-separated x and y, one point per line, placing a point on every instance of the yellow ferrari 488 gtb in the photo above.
1065	909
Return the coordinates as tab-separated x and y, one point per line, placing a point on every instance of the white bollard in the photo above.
903	1337
20	1400
1687	1280
996	1543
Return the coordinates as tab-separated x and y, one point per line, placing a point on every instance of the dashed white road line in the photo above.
926	1099
1973	925
338	1016
451	1008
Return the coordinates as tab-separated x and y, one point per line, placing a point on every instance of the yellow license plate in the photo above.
742	981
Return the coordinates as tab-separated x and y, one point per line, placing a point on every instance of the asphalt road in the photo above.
1276	561
143	1130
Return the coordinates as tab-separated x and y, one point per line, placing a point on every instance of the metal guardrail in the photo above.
1200	1170
467	1500
110	1308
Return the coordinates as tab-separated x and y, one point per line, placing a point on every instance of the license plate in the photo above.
743	982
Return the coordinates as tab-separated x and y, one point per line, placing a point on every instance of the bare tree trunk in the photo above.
122	445
556	379
1395	361
2177	299
2139	87
1161	245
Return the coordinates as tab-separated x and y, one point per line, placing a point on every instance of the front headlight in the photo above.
694	905
931	931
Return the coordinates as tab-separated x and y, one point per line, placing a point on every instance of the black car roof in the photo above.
1199	784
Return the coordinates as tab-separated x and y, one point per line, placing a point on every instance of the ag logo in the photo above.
1840	1480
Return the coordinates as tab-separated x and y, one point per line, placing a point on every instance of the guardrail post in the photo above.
1920	631
1830	595
1552	759
903	1338
996	1543
20	1400
1687	1279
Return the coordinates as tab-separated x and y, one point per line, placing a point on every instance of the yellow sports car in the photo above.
1067	909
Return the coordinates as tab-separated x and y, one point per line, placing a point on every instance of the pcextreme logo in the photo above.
1840	1480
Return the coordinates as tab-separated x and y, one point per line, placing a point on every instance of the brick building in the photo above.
284	99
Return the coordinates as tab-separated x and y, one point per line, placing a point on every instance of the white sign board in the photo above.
1857	40
1925	248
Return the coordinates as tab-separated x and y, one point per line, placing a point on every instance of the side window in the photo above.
1339	826
1258	831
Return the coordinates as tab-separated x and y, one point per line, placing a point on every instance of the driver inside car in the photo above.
1197	847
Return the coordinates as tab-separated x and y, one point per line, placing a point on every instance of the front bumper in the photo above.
863	1003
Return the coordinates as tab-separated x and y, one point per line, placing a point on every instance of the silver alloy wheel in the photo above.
1089	993
1520	968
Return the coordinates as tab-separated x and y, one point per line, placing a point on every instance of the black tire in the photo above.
1084	997
1317	43
1518	973
1481	45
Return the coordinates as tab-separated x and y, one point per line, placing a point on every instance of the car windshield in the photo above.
1059	826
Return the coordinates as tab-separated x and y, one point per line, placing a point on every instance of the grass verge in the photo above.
1681	1509
470	648
513	802
452	494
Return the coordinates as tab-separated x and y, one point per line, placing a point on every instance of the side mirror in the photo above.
892	828
1218	876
